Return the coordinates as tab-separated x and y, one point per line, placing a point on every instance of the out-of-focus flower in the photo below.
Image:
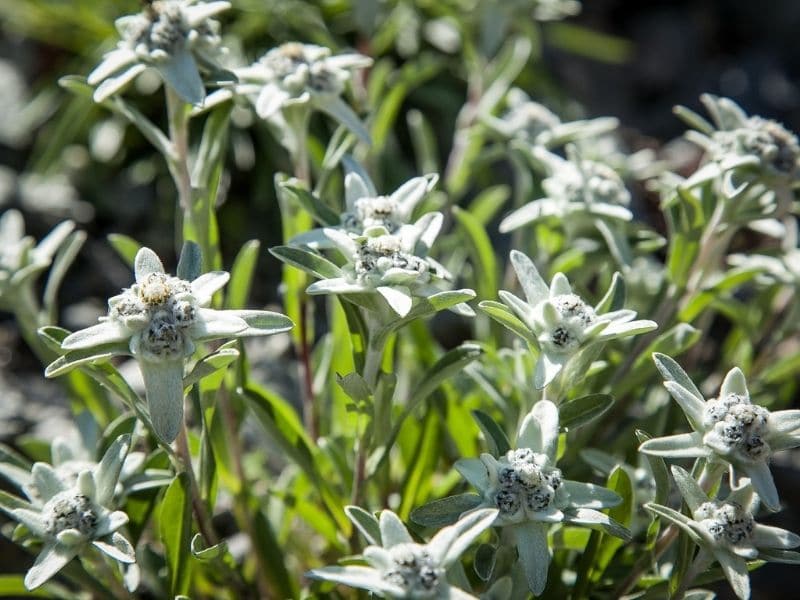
178	38
158	320
401	568
729	429
67	518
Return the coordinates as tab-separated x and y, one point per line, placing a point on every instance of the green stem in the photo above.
204	522
179	163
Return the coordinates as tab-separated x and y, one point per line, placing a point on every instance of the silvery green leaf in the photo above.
779	556
46	480
614	298
735	569
447	546
341	112
520	308
408	195
112	62
399	298
308	261
589	495
76	358
530	212
672	371
206	285
366	523
393	531
680	445
539	429
107	332
338	285
734	383
203	553
474	471
163	382
113	84
763	483
503	315
146	262
581	411
547	369
52	558
117	547
679	519
534	554
596	520
364	188
445	511
262	322
691	491
359	577
691	406
270	100
485	558
18	476
196	14
210	364
32	519
766	536
108	471
495	436
535	288
110	523
180	72
213	324
190	263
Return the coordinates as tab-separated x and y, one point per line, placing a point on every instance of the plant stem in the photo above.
203	518
179	164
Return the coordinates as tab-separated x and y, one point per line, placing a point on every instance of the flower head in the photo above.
728	429
399	567
296	74
176	37
67	518
725	529
530	493
574	187
159	320
559	321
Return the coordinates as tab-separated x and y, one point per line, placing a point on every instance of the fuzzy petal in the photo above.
528	213
365	578
534	554
107	332
474	471
31	519
539	429
146	262
117	547
270	100
205	286
681	445
536	290
692	407
589	495
108	472
763	484
47	481
452	541
691	491
765	536
735	569
547	369
114	84
399	298
393	531
734	383
560	285
114	61
163	382
338	285
51	559
408	195
213	324
111	523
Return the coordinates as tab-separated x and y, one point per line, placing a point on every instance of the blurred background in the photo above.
61	157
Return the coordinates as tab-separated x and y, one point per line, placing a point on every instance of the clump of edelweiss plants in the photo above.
481	326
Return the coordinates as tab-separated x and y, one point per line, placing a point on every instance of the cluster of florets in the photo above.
297	67
378	255
162	29
775	146
413	570
525	484
69	510
587	182
380	211
576	316
736	425
161	307
725	521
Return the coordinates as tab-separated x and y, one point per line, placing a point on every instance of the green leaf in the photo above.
584	410
210	364
354	386
504	315
190	263
175	528
481	250
366	523
659	470
13	586
307	261
205	553
126	247
619	482
77	358
242	275
271	557
66	255
323	213
213	145
672	371
495	436
445	511
485	557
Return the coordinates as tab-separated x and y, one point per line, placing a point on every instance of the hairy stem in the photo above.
203	517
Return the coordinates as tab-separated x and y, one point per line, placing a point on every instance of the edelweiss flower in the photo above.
537	125
395	266
367	213
158	320
558	321
21	259
68	518
726	531
728	429
531	494
402	568
176	37
298	74
737	141
574	187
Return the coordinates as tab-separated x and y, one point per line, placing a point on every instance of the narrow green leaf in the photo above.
503	315
272	557
126	247
445	511
366	523
659	470
307	261
242	272
210	364
584	410
485	557
175	528
494	434
323	213
481	250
